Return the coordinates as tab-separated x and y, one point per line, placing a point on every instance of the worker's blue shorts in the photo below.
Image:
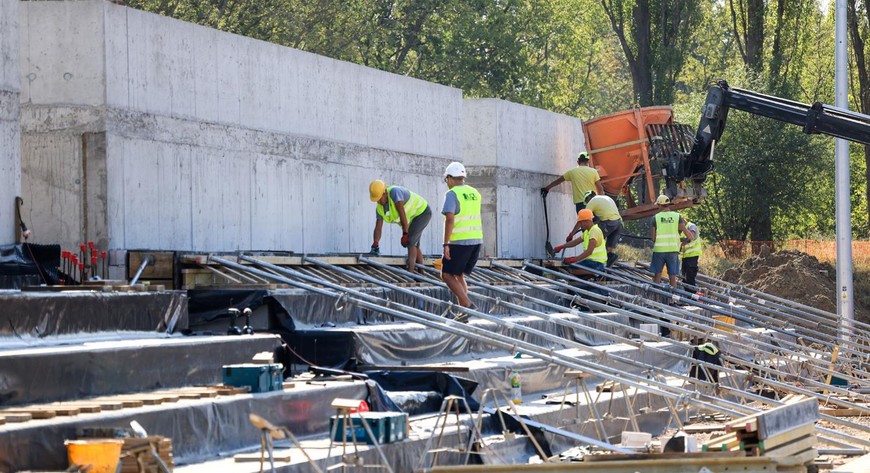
671	259
462	259
596	265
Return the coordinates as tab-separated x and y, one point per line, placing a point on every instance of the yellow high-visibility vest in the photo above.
413	207
692	248
467	224
600	252
667	232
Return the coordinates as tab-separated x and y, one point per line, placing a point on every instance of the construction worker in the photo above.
463	232
404	208
667	226
583	179
594	255
608	219
690	251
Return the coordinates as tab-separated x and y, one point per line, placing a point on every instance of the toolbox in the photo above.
260	378
387	427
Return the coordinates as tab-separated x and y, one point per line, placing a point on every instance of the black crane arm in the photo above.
815	118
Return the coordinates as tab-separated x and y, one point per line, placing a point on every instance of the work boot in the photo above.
611	258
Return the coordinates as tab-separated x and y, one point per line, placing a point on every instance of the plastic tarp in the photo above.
426	381
26	264
83	367
206	306
199	429
43	314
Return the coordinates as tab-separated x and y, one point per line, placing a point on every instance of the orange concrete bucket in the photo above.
103	455
617	143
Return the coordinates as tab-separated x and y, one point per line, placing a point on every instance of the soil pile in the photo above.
791	275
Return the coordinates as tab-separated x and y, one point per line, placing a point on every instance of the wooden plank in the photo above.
162	268
723	443
82	407
842	412
34	413
786	437
745	424
797	459
703	429
15	417
787	417
279	456
793	447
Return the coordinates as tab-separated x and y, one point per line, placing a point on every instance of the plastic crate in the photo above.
387	427
259	378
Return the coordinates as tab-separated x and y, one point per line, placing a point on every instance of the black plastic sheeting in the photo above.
121	366
445	384
26	264
42	314
198	429
209	305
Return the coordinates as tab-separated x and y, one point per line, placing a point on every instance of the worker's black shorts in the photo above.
417	225
462	259
612	230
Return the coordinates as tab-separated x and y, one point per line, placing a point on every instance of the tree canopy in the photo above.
592	57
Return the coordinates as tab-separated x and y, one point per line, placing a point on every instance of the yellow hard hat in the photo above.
663	200
377	189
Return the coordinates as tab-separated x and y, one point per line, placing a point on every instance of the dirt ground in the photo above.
794	276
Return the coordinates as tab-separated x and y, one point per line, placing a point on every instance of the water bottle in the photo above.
516	387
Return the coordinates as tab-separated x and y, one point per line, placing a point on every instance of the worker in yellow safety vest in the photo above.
667	226
463	233
690	251
404	208
594	255
583	178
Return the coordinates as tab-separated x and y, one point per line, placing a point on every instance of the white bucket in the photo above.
651	328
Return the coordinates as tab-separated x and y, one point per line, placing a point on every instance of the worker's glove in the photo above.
558	248
405	240
569	237
571	260
376	250
684	240
544	192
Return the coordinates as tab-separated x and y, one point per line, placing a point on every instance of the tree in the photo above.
654	36
859	29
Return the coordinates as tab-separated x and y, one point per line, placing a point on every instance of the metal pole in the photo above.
845	294
150	259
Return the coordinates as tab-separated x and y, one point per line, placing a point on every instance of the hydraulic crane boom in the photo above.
815	118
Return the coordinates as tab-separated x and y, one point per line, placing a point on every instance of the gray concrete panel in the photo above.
10	139
66	66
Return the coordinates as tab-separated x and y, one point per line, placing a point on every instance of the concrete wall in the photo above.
513	151
145	132
10	140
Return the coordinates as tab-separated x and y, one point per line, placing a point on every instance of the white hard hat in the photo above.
455	169
663	200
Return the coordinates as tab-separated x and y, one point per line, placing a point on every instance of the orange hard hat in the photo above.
585	214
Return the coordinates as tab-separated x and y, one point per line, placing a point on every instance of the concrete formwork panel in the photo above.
10	139
512	151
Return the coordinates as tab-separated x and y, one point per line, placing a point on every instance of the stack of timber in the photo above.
102	285
785	434
137	456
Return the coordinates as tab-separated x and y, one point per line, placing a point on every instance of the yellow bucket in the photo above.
437	264
725	320
103	455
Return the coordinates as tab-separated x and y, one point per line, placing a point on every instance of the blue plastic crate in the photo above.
259	378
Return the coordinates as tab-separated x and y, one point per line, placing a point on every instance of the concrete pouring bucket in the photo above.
617	143
103	455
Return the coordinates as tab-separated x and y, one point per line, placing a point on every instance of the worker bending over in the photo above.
463	232
690	252
583	179
608	219
594	255
404	208
667	226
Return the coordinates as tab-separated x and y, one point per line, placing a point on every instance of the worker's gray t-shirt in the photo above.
397	194
451	206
